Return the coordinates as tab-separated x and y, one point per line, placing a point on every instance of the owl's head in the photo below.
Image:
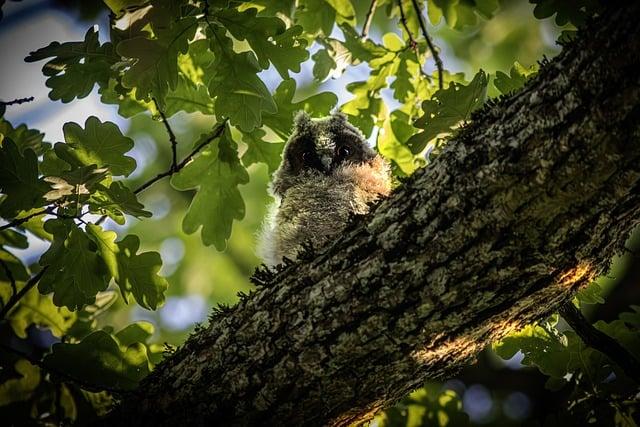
319	147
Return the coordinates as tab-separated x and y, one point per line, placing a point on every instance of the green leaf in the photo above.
592	294
216	173
23	137
74	185
116	201
323	63
447	108
39	310
574	12
135	332
135	274
21	388
99	359
19	180
318	105
315	16
549	353
189	97
15	267
261	151
76	273
128	105
391	142
100	144
515	80
13	239
153	63
240	94
120	6
459	14
76	66
269	38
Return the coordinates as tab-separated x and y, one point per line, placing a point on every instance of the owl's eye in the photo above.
344	151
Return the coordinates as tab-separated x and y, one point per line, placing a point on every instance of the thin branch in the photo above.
15	298
9	274
412	41
63	375
172	137
369	18
216	133
17	101
600	341
432	48
17	222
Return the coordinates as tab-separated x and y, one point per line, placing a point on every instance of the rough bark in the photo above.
525	205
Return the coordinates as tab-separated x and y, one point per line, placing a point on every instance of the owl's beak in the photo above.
325	159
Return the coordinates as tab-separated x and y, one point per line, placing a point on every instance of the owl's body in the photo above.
328	172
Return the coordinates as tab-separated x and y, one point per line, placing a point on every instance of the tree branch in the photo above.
600	341
216	133
172	137
17	101
19	221
412	41
369	18
432	48
15	298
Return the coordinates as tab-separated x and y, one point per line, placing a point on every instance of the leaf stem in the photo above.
432	48
600	341
15	298
369	18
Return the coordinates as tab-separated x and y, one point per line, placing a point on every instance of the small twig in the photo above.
172	137
412	41
17	101
17	222
369	18
216	133
9	274
432	48
65	377
15	298
600	341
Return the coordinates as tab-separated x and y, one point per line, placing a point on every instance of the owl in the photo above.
328	172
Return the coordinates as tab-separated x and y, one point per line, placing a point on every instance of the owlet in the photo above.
328	172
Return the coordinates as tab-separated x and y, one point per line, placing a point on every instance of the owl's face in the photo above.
320	147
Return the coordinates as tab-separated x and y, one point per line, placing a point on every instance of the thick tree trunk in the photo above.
524	206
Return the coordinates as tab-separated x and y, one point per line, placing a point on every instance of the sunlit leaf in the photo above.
216	173
76	66
135	273
99	359
447	108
